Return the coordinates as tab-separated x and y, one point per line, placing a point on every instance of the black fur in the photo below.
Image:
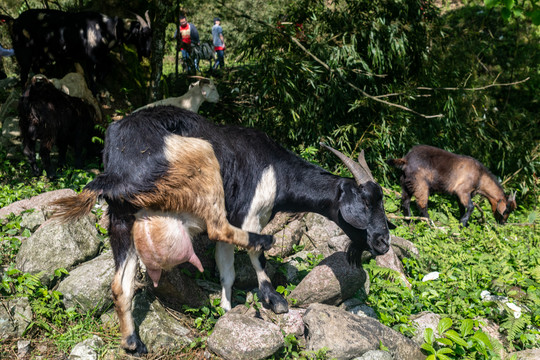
244	154
263	242
271	297
134	341
54	118
134	160
44	37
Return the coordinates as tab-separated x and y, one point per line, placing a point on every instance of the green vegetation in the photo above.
464	78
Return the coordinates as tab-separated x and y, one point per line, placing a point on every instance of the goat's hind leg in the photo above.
123	285
467	206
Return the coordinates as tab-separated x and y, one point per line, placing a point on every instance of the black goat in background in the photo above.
43	37
49	115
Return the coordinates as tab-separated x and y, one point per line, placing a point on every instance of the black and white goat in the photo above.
144	169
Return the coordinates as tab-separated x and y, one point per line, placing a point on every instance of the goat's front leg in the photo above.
225	264
29	151
45	149
269	295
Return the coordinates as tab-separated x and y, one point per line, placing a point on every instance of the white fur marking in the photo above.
93	37
262	202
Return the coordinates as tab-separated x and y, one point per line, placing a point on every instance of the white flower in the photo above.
431	276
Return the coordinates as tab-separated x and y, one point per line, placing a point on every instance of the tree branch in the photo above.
473	89
324	65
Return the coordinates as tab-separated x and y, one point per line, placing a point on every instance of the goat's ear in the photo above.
353	208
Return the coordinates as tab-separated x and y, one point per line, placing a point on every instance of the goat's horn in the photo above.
512	196
147	16
359	169
198	77
141	20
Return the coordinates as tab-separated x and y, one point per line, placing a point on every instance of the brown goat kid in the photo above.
428	169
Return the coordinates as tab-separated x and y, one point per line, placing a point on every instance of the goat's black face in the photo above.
362	218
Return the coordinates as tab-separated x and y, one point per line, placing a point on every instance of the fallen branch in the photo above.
428	220
473	89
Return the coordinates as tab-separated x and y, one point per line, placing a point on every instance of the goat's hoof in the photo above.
134	346
278	304
273	299
260	242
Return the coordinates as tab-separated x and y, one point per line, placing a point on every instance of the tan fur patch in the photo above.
193	185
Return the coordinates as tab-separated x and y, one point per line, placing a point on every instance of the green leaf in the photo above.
443	357
466	327
428	348
505	13
428	336
509	4
444	325
454	336
491	3
445	351
535	16
484	339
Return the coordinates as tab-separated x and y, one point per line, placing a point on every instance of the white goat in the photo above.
199	92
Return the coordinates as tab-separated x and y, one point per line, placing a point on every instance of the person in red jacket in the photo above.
189	36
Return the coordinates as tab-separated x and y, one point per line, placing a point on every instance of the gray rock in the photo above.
88	285
11	134
176	289
244	337
157	328
23	348
286	238
15	316
364	311
55	245
348	336
246	277
339	243
39	202
295	267
391	261
331	282
32	220
320	230
529	354
375	355
280	220
87	349
290	322
423	321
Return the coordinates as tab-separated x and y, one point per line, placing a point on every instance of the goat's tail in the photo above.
74	207
399	163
